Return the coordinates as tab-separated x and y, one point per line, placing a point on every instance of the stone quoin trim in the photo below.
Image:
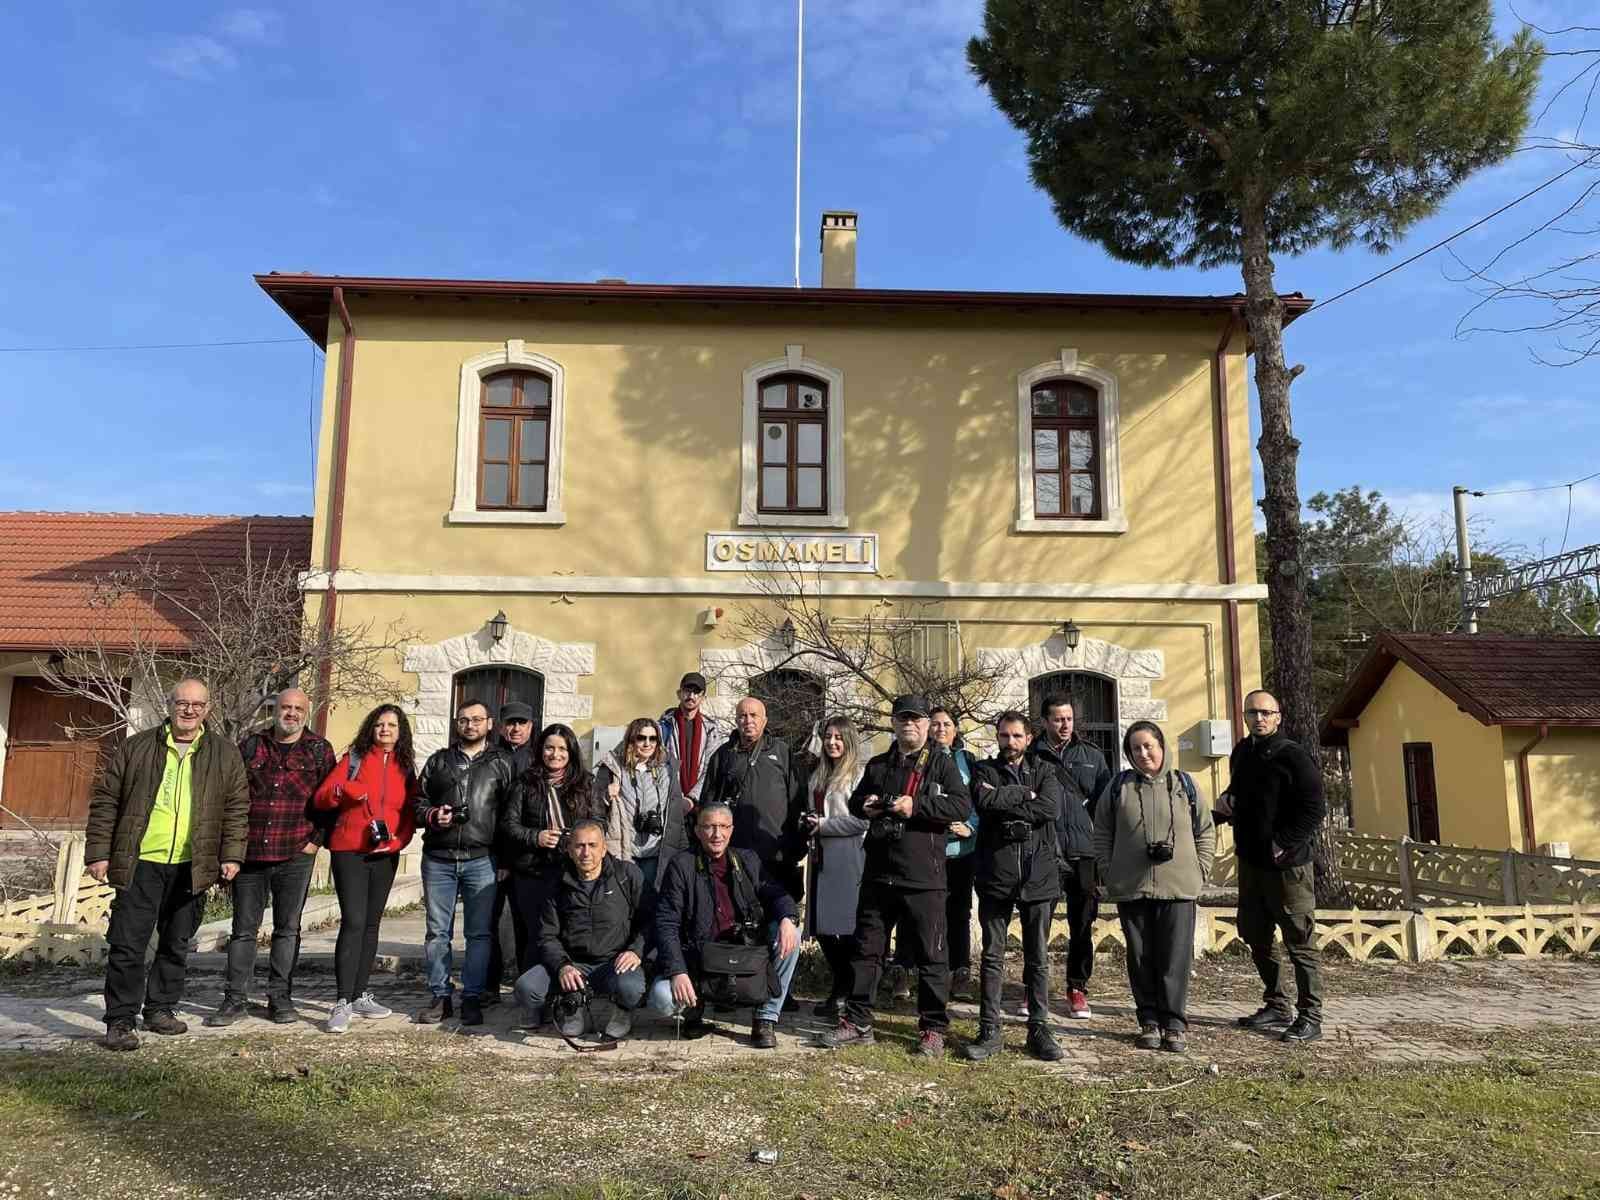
464	508
794	361
560	664
1067	366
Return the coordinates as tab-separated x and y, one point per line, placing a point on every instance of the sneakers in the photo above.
620	1024
1304	1029
163	1022
846	1034
763	1034
440	1008
1174	1041
230	1011
1042	1044
283	1013
120	1036
930	1044
365	1006
1149	1038
1078	1004
990	1042
339	1019
471	1010
1265	1017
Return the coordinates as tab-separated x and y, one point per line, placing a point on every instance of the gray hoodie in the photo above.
1134	812
646	789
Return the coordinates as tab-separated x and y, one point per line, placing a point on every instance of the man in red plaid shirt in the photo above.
285	764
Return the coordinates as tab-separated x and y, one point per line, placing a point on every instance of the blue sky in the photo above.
153	157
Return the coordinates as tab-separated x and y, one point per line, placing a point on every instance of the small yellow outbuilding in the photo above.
1478	740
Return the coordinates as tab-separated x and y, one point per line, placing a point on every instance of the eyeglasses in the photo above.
645	737
472	720
190	705
1260	712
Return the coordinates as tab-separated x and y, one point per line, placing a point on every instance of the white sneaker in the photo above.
339	1019
366	1006
621	1023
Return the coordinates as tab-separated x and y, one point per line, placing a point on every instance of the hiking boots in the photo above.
365	1006
339	1019
163	1022
440	1008
1265	1017
1174	1041
1149	1038
763	1034
231	1010
990	1042
930	1044
1304	1029
282	1013
120	1036
471	1010
1042	1044
845	1034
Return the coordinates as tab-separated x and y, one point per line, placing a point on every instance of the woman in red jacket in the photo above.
372	788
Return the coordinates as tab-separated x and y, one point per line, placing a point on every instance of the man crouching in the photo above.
591	937
712	903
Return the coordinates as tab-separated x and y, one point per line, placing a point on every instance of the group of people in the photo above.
680	872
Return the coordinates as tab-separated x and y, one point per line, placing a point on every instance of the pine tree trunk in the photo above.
1287	610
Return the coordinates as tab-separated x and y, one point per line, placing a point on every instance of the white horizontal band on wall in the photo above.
665	585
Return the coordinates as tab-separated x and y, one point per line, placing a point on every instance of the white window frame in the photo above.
750	514
464	510
1114	518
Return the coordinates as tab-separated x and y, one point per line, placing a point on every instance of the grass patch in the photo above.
420	1114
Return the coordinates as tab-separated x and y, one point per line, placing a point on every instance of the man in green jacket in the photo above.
169	817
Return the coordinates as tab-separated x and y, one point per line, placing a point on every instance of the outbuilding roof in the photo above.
1498	679
308	298
50	561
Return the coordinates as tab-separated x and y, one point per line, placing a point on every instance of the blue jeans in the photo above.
661	1001
626	989
442	882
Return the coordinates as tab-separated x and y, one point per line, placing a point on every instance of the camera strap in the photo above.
586	1048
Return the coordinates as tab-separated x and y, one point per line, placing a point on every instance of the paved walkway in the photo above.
1418	1014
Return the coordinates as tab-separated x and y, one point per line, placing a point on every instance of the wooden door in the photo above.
1422	800
49	770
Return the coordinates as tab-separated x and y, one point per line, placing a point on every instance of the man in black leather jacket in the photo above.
461	789
1018	799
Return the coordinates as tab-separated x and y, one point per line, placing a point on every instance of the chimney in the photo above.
838	249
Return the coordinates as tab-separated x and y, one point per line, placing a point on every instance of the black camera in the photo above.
1159	851
569	1005
648	824
809	822
377	832
1015	831
460	812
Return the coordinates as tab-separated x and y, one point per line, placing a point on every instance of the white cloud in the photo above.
250	25
1527	524
195	56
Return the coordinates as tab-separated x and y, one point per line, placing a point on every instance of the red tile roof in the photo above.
49	561
1499	679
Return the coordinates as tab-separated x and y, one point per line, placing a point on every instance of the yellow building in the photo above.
619	468
1478	740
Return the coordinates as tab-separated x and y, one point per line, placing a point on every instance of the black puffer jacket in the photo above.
911	857
685	912
526	813
1277	798
594	921
449	777
767	797
1029	793
1083	774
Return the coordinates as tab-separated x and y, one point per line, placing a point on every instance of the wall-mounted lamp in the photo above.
1070	633
498	624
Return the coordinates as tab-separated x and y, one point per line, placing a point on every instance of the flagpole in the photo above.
799	75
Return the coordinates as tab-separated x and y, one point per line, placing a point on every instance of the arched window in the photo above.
1066	450
1094	707
498	686
794	701
514	441
794	445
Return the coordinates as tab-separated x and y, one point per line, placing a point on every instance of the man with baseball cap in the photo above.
910	795
689	737
514	731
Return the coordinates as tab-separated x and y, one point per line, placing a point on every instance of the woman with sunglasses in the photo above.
636	783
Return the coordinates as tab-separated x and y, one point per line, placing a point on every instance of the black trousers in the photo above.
1160	937
920	916
505	897
1083	909
287	883
362	883
839	950
995	918
959	876
1284	900
528	891
156	900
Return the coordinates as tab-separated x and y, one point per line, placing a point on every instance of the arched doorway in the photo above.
1094	706
497	686
794	701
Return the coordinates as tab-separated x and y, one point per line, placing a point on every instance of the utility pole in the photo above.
1469	611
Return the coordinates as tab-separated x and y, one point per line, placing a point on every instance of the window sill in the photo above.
1117	523
470	517
792	521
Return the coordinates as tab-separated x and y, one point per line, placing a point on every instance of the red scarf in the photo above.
689	741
